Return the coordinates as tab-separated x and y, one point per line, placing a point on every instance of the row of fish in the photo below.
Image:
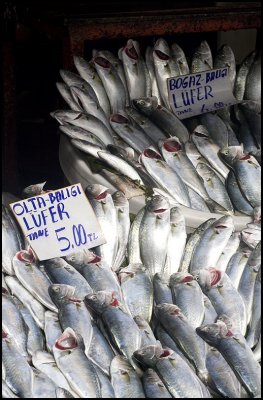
137	144
151	313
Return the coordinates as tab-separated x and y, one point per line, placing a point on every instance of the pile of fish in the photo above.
121	119
150	313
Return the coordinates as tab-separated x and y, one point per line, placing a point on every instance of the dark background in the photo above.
35	33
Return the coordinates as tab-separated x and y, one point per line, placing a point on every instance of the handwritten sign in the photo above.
58	222
200	93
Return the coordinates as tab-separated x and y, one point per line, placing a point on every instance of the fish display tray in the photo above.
76	170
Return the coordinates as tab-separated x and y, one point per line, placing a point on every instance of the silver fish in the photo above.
12	241
86	147
153	234
176	241
162	117
65	92
153	386
236	265
72	79
137	288
213	241
75	132
89	74
202	59
237	353
236	196
150	65
122	209
124	379
253	81
52	329
133	247
225	58
188	296
148	337
180	59
254	326
112	83
241	76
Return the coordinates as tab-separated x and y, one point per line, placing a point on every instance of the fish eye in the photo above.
56	289
93	297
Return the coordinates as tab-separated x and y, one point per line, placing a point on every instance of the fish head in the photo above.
181	278
158	206
146	104
61	293
5	292
130	271
200	131
251	236
176	216
149	355
161	51
131	52
172	145
212	333
257	215
102	63
82	64
119	119
120	200
160	278
82	258
223	225
169	309
208	278
25	256
33	190
97	192
102	300
231	153
142	323
121	366
68	341
227	321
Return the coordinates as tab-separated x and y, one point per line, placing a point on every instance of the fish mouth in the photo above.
221	226
245	157
67	341
131	52
74	300
119	119
166	353
199	134
114	302
102	62
4	334
187	279
162	55
160	210
102	195
25	256
215	276
95	260
149	153
172	146
4	291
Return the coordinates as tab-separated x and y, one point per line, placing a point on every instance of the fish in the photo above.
121	204
162	117
225	58
192	242
133	247
241	76
162	290
86	147
18	374
112	83
254	325
180	59
236	265
72	312
167	178
215	188
197	202
176	241
146	331
182	332
202	59
209	149
188	296
153	386
52	329
214	239
253	80
134	69
222	375
60	272
210	315
75	132
72	79
173	371
247	172
117	322
165	67
217	286
12	241
248	278
84	121
7	392
237	198
123	184
150	65
252	112
31	277
124	379
133	135
153	234
218	130
251	236
88	72
13	323
230	249
36	309
69	354
137	289
237	353
106	387
105	211
65	92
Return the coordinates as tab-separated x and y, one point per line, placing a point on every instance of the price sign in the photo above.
58	222
199	93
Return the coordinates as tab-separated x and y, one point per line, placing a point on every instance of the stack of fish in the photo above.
121	118
151	313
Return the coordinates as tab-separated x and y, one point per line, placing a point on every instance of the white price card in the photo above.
199	93
58	222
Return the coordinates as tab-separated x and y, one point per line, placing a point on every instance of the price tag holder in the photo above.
59	222
199	93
